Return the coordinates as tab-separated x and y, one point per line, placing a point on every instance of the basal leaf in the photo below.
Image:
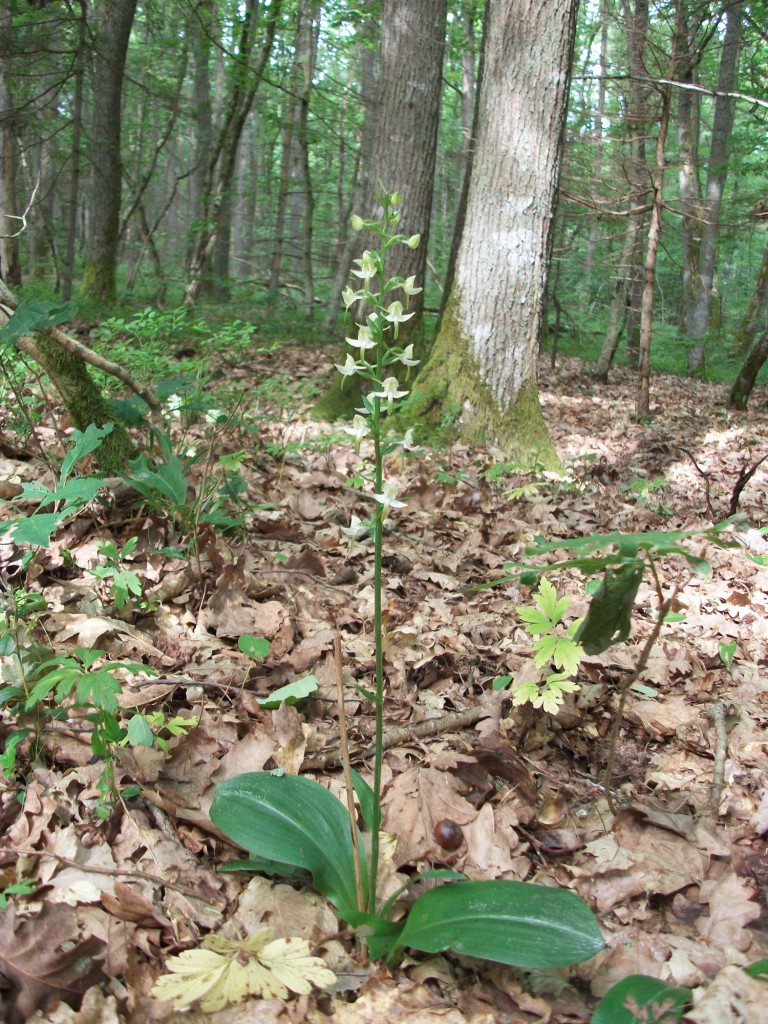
537	621
293	821
665	1001
510	922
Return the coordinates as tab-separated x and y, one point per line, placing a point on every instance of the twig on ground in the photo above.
431	727
717	713
116	872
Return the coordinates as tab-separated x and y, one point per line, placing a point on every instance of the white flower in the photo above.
408	286
364	338
407	441
389	390
395	315
350	297
388	497
350	367
413	241
359	428
357	222
356	529
175	404
368	268
406	358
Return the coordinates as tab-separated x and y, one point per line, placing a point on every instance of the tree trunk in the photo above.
368	92
76	158
756	309
404	155
617	313
597	170
483	365
82	398
697	321
688	119
220	170
643	406
10	224
745	380
115	18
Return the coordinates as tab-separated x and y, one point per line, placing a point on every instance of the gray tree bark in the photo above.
483	366
114	21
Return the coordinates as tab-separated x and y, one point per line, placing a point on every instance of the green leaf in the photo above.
293	821
100	689
381	936
289	694
537	621
612	1008
35	316
545	649
37	529
166	482
609	619
365	797
139	732
552	606
567	655
727	652
510	922
266	867
84	442
253	646
758	969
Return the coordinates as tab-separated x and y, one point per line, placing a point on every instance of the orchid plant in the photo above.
378	355
292	824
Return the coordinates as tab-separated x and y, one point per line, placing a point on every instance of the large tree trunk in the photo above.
745	381
293	234
756	309
643	404
697	321
597	169
76	158
404	154
10	224
220	169
483	365
115	18
368	92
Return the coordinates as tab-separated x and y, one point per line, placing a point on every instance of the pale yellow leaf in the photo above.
290	960
226	971
195	974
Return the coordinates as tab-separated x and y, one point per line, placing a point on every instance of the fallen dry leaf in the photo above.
226	972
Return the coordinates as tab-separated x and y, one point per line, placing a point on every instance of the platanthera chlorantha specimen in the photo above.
293	825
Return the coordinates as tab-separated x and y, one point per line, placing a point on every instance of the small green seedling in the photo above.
727	652
124	583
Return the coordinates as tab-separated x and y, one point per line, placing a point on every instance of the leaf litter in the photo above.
678	880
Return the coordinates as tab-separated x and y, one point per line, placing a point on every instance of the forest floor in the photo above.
678	876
